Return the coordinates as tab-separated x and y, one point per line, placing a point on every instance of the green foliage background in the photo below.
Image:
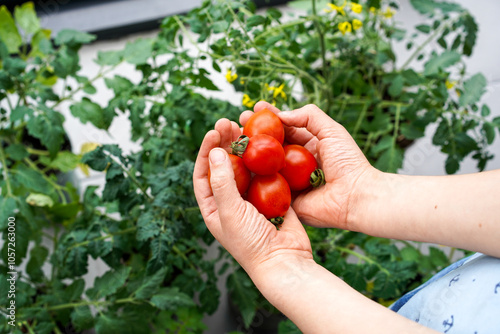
145	224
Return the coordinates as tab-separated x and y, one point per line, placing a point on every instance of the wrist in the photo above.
374	191
282	274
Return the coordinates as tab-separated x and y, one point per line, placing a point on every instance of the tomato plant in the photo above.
271	195
262	154
301	168
242	175
265	122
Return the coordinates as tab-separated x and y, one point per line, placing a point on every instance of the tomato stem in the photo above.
317	178
240	145
277	222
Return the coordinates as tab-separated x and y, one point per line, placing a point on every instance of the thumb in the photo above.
226	195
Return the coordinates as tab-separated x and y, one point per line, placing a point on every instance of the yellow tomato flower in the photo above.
389	12
345	27
279	91
230	76
356	7
247	101
450	84
338	9
373	10
356	24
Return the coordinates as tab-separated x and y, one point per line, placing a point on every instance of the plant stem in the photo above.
5	170
396	124
37	152
90	303
132	177
326	71
359	120
102	237
427	41
57	187
362	257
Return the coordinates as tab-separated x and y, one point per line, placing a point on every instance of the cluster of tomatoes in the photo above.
266	171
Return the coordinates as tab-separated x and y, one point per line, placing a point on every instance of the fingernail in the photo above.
217	156
285	113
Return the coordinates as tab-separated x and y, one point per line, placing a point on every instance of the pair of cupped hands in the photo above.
245	233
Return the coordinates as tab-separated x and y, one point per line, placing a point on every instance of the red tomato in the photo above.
241	174
299	165
265	122
270	194
262	154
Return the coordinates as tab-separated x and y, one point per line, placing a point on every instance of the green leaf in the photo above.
171	299
26	17
96	159
107	324
390	160
151	284
8	31
396	86
471	29
38	255
32	179
474	88
48	128
220	26
109	58
74	291
255	20
82	318
148	226
6	82
384	144
66	62
410	254
452	164
16	152
20	112
410	131
139	51
119	84
243	294
423	28
442	134
485	110
109	283
288	327
489	132
441	62
383	286
438	257
40	200
160	248
88	111
73	38
65	161
14	66
76	262
7	207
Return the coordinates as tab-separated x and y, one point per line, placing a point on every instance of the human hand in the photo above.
245	233
346	168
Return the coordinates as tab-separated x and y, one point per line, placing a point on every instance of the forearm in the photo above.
459	211
319	302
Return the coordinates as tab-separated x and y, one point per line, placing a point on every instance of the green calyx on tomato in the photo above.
317	178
